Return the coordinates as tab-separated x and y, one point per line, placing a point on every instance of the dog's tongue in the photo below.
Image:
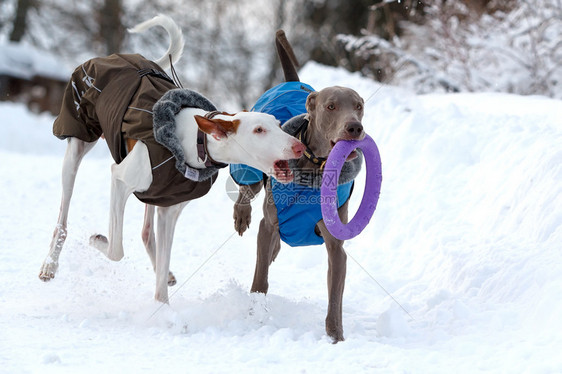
282	171
352	155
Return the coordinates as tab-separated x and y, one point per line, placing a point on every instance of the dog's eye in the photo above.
259	130
359	106
331	107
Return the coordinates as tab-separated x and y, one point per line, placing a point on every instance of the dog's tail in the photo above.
175	49
289	61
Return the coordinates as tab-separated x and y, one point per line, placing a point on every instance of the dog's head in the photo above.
254	139
335	114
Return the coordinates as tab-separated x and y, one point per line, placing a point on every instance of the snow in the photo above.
460	269
24	61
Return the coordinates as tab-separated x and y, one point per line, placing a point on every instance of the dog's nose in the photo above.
354	129
298	149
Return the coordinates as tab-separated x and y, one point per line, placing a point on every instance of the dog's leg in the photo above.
75	151
132	174
148	238
242	208
167	218
337	264
269	244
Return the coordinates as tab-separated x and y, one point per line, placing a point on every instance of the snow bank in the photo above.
466	242
25	61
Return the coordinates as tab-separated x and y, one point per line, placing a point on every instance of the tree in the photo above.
19	24
328	18
97	23
505	46
111	30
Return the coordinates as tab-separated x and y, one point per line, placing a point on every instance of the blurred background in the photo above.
426	46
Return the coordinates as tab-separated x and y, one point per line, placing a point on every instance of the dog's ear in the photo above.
311	102
217	128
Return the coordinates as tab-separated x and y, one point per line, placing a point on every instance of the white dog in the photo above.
170	158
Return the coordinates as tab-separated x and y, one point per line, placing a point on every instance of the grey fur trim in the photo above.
164	118
313	177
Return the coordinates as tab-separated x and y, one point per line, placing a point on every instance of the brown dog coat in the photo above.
114	96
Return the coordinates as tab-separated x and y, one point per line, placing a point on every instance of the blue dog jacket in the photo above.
298	206
298	211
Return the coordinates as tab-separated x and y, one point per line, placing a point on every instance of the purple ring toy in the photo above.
329	205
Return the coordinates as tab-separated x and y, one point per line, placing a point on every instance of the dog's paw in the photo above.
242	217
48	271
334	331
101	243
336	336
171	279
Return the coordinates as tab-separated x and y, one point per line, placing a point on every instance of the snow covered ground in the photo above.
467	237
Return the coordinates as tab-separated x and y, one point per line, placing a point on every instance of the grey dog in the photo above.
332	114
